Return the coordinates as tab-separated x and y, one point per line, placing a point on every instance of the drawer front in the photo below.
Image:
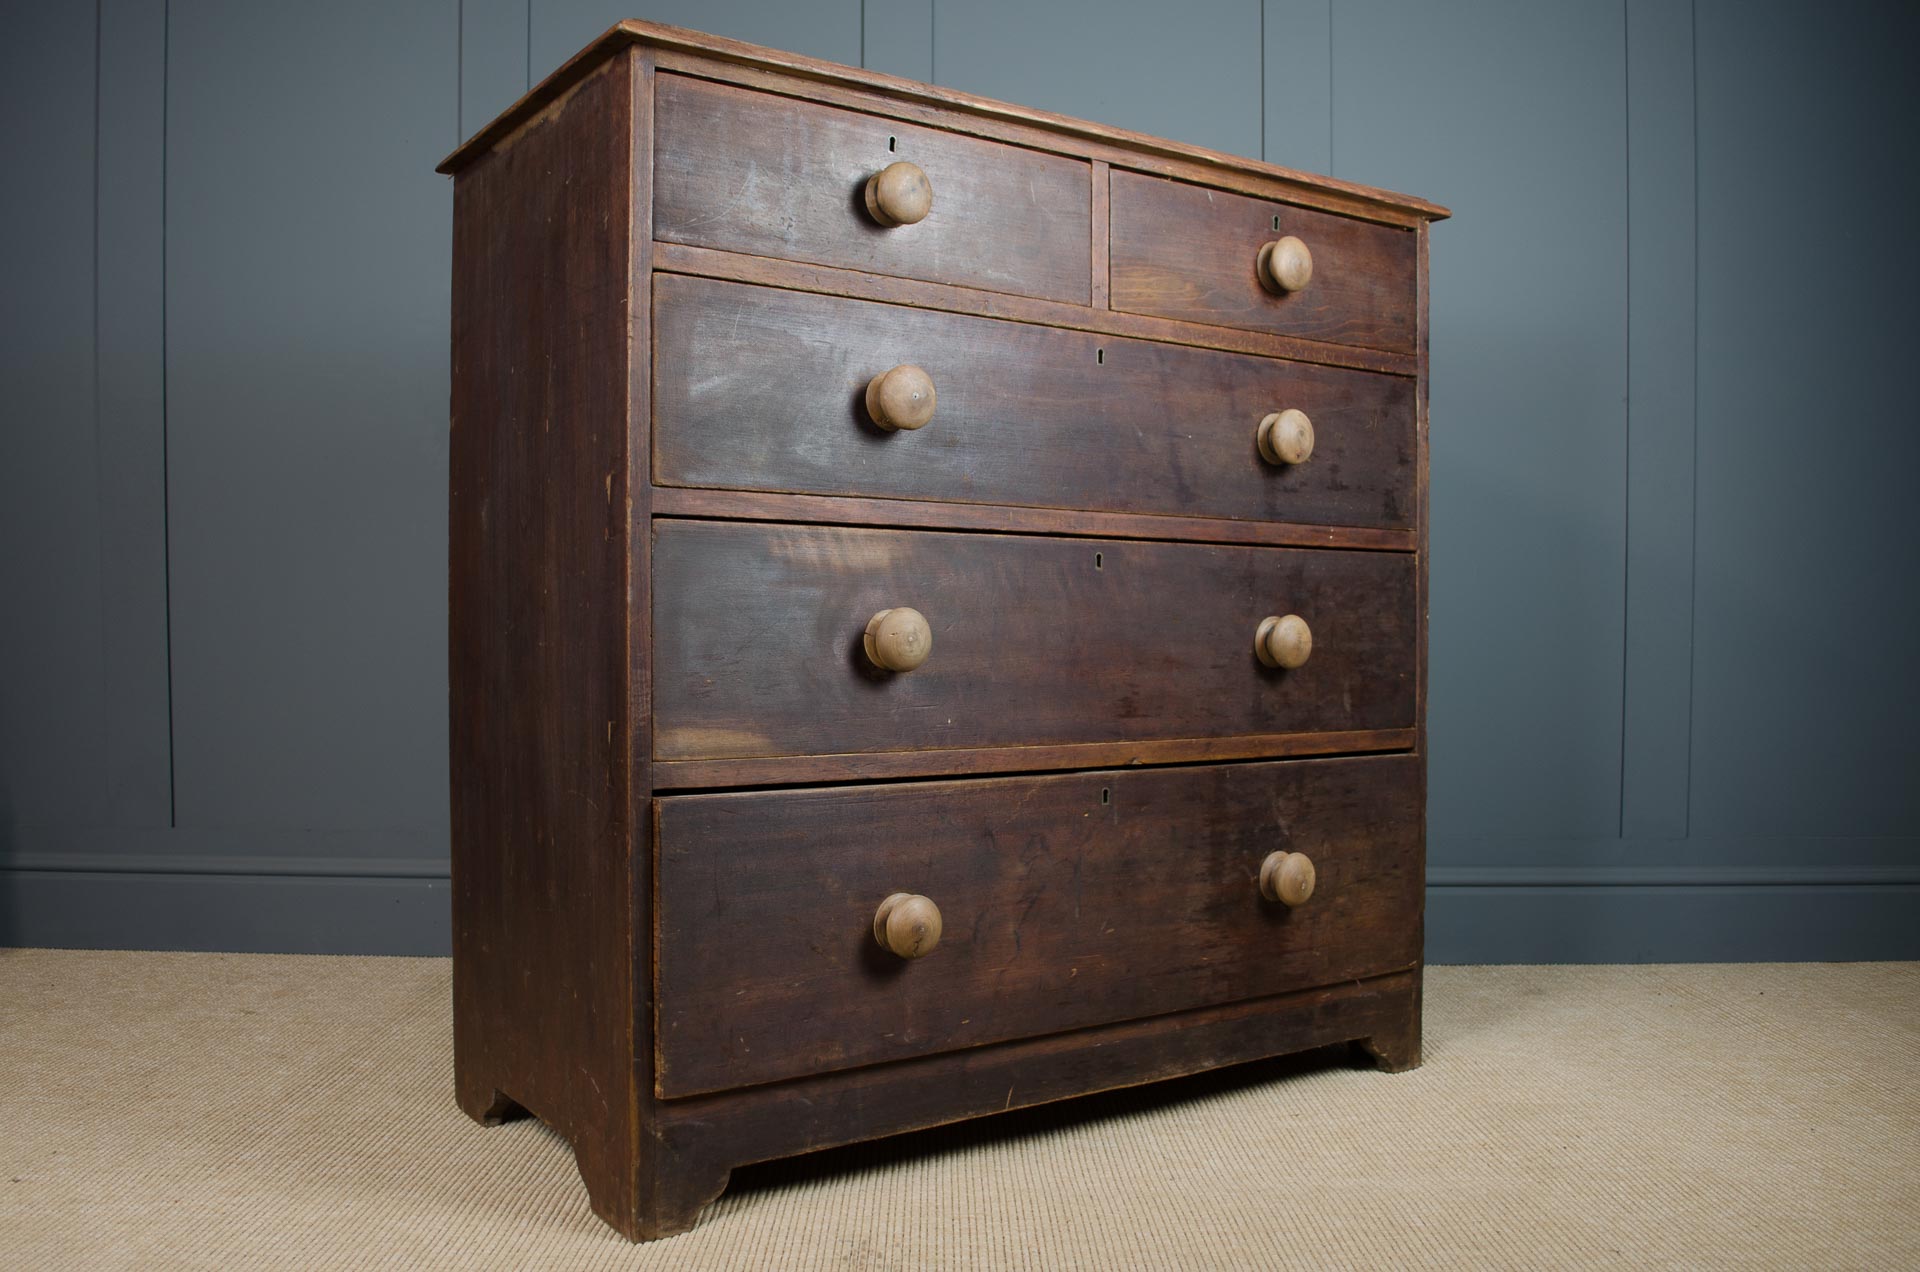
759	629
1184	251
1065	902
763	390
770	176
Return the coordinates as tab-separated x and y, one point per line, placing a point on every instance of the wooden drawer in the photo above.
763	390
1065	901
1188	252
758	631
771	176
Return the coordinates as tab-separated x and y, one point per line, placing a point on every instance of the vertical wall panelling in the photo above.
1660	325
131	411
1805	685
1297	83
1661	691
1514	115
818	28
493	61
896	36
307	301
52	710
1189	71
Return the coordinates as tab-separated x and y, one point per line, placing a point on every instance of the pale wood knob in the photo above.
1285	641
1286	437
909	925
899	194
1286	265
901	398
898	639
1286	877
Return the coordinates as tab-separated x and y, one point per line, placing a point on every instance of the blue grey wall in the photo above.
1674	591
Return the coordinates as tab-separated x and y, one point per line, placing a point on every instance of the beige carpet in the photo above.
169	1110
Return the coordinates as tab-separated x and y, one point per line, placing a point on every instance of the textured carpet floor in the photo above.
176	1110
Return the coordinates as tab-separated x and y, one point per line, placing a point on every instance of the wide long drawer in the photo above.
761	389
1065	901
760	649
773	176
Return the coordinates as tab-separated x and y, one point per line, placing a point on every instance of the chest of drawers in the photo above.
938	612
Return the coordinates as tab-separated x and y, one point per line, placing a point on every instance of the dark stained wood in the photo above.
806	1114
763	389
1100	171
1186	252
793	770
1067	901
694	52
738	170
1081	626
754	505
543	814
1394	1045
1036	641
799	276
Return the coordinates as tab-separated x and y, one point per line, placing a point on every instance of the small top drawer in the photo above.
743	171
1191	253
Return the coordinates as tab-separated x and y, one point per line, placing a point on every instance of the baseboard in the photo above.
1469	920
239	913
1776	921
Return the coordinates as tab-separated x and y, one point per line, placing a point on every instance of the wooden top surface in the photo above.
805	68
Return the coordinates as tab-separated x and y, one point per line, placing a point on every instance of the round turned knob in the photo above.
901	398
1284	642
1286	877
1286	264
909	925
1286	437
898	639
899	194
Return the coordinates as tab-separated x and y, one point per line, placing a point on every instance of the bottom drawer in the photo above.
1066	901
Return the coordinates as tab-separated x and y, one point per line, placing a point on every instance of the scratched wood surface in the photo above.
1187	252
760	389
1036	640
738	170
612	636
1067	901
543	1010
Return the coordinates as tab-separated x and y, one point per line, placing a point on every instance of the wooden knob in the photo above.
1286	437
1284	642
1286	877
899	194
1286	265
909	925
898	639
901	398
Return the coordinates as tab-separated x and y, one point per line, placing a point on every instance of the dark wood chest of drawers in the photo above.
938	612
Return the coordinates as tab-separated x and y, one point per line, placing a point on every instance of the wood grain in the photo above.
1040	640
750	505
542	814
1073	631
795	770
679	49
678	258
737	170
805	1114
763	389
1066	901
1186	252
